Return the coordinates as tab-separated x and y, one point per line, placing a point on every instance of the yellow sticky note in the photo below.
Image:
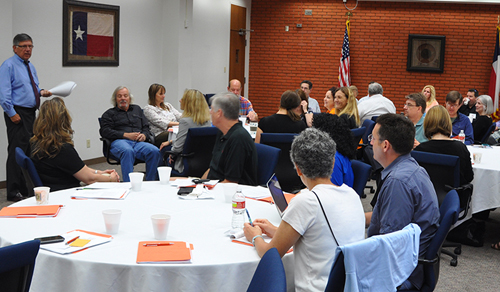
79	242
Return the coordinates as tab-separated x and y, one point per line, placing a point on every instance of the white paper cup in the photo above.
112	220
164	174
160	225
42	195
229	190
477	157
136	180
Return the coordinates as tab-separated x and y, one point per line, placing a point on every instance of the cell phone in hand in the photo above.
50	239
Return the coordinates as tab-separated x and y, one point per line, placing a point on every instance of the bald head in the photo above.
234	86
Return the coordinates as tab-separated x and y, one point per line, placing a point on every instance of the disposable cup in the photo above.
136	180
477	157
112	220
229	190
160	225
42	195
164	173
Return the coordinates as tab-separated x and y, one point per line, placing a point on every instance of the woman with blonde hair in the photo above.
286	120
160	114
196	114
430	95
341	102
52	150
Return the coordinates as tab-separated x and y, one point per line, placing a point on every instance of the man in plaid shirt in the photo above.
246	108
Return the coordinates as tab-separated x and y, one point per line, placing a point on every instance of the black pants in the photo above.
18	135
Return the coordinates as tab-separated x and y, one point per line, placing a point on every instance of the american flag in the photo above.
495	78
345	60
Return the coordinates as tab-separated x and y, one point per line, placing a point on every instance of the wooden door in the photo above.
237	45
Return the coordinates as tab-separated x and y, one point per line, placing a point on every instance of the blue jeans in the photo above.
127	151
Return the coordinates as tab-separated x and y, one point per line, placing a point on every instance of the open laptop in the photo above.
278	196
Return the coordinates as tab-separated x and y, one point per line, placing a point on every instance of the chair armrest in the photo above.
428	262
106	150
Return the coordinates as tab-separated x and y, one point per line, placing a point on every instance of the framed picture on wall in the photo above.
90	34
426	53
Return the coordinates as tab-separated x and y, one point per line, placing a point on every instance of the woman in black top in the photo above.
483	121
286	120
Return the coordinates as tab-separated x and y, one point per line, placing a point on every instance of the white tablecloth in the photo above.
486	194
217	263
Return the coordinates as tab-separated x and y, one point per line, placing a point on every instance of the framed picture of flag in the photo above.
426	53
90	34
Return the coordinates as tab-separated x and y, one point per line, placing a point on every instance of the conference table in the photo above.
217	263
486	193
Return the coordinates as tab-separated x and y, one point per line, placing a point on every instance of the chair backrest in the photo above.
29	171
208	96
16	265
369	125
358	134
267	157
449	210
488	133
285	171
443	170
269	275
374	118
197	151
361	172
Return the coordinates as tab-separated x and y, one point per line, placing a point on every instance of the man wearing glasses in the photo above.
469	106
414	109
459	121
19	98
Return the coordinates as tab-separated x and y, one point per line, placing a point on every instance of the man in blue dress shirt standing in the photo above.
19	98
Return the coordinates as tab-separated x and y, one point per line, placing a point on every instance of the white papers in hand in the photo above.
64	89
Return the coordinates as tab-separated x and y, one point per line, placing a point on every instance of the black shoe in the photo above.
16	198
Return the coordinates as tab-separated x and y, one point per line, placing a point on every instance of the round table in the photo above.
486	180
217	263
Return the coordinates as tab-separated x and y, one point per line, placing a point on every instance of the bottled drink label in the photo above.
239	205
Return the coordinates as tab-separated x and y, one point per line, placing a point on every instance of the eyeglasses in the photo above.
408	105
26	47
452	104
370	137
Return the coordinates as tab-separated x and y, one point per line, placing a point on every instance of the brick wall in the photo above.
280	60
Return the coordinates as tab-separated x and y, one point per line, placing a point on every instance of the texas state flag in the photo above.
92	34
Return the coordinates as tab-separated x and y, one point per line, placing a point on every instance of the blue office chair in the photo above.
285	171
29	171
269	275
449	210
488	133
267	157
17	263
197	152
361	172
358	134
369	125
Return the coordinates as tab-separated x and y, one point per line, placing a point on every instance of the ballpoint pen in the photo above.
71	240
158	244
249	219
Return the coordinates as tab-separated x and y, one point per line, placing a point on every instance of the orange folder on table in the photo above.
31	211
269	199
155	252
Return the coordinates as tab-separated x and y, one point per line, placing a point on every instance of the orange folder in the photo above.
156	252
31	211
269	199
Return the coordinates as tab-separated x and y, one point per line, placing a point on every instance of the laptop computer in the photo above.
278	196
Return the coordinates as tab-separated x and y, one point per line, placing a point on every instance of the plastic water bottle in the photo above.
461	136
238	210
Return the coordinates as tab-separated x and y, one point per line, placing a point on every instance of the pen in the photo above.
71	240
249	219
158	244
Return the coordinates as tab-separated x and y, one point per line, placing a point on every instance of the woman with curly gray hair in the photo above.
316	221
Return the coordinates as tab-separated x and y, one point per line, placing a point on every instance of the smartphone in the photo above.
184	191
50	239
200	181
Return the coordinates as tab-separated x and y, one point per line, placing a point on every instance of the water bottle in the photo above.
461	136
238	210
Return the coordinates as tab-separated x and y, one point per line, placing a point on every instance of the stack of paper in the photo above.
31	211
164	252
93	193
79	240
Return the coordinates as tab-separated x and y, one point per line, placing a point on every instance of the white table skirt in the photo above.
486	194
217	263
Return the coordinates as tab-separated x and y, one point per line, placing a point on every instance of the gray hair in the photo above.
113	97
313	151
375	88
228	102
487	103
21	38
